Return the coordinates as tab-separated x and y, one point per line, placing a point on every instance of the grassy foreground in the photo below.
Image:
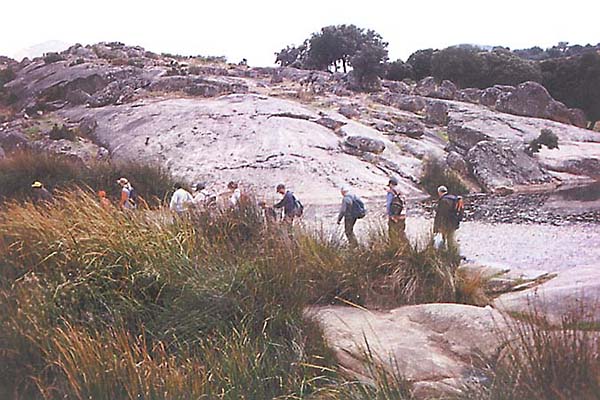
96	303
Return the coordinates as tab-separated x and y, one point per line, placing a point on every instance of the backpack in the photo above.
458	209
358	208
397	204
298	208
133	197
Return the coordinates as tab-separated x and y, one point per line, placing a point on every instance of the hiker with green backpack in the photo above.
396	212
351	210
449	213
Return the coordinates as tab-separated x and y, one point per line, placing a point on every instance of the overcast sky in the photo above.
256	29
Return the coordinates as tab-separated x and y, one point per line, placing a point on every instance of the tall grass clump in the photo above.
19	170
543	361
100	303
435	174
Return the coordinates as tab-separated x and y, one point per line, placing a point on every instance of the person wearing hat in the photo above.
396	212
40	193
128	196
351	210
289	204
444	222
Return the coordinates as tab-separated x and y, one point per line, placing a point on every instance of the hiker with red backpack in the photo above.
449	213
396	212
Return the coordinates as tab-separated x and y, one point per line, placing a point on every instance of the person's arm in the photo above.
173	202
343	209
281	202
388	203
436	220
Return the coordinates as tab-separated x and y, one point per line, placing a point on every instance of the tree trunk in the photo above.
344	65
592	125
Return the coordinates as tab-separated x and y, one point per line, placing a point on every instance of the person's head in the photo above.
122	181
199	186
37	185
393	182
178	186
281	188
344	190
442	191
232	185
101	194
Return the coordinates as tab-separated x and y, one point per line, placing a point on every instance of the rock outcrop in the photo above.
433	346
574	292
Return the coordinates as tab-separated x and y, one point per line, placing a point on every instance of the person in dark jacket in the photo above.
396	212
40	193
346	213
288	203
444	221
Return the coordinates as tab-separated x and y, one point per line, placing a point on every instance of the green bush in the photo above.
435	174
546	138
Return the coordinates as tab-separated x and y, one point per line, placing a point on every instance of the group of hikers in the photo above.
449	211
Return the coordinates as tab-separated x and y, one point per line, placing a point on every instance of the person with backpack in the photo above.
449	213
128	195
396	212
292	207
351	210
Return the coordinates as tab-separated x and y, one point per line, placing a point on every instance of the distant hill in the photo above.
39	49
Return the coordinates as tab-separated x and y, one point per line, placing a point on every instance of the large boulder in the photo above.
576	158
578	118
431	345
469	95
573	291
414	104
365	144
411	127
436	113
464	136
497	164
531	99
426	87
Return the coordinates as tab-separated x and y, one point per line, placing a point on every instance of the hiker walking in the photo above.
396	212
40	193
351	210
128	199
449	213
202	197
180	199
236	193
291	206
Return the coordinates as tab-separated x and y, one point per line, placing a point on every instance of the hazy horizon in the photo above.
257	30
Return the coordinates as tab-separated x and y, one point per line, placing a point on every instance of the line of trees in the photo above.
570	73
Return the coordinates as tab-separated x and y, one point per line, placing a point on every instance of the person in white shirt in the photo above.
236	193
202	196
180	199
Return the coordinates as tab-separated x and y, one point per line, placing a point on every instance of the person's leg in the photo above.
349	228
392	230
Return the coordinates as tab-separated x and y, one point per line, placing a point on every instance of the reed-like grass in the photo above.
97	303
543	361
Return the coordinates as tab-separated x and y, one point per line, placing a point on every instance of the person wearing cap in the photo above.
288	203
127	201
443	222
347	214
396	212
180	199
40	193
